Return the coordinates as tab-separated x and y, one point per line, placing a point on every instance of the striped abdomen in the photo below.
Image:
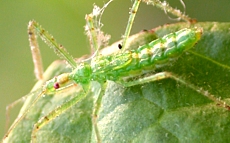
146	57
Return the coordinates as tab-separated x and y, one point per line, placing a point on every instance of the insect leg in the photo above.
91	32
166	7
96	36
96	111
35	29
162	5
20	117
38	68
130	23
164	75
10	106
53	114
55	66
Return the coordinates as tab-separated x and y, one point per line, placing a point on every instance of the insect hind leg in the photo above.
165	75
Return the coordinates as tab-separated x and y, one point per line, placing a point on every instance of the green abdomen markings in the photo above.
147	57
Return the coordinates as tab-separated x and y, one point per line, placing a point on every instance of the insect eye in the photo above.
56	85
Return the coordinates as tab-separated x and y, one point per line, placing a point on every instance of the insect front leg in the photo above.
58	111
35	29
165	75
36	55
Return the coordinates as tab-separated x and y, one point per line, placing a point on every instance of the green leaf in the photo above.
161	111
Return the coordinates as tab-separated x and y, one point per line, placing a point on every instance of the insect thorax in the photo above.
82	74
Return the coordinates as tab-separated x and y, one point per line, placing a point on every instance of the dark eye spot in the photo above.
56	85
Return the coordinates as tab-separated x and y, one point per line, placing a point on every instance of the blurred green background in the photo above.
64	19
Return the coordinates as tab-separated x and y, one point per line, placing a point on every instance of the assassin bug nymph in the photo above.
120	67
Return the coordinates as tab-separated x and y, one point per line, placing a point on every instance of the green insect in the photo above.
124	68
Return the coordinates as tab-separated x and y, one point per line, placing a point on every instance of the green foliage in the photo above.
162	111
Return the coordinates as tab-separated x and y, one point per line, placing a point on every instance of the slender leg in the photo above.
162	5
53	114
20	117
130	23
91	32
166	7
96	36
55	66
10	106
96	108
49	40
164	75
36	55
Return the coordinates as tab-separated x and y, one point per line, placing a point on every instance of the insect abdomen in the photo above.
159	51
145	58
